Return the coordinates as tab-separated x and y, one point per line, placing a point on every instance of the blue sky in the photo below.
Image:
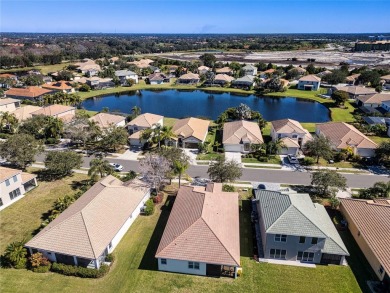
190	16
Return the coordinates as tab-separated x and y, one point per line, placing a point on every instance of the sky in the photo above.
195	16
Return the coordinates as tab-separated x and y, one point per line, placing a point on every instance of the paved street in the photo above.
264	175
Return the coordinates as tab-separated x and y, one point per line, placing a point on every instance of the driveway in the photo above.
286	165
232	156
191	153
131	154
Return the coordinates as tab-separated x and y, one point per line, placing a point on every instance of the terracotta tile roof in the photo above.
224	77
356	90
343	135
194	127
287	126
6	173
145	120
27	177
271	70
224	70
87	226
189	75
310	77
29	92
7	75
24	112
375	98
373	222
58	85
203	226
352	77
157	76
238	131
53	110
386	77
290	143
105	120
7	101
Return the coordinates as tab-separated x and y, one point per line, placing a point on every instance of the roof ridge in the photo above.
86	229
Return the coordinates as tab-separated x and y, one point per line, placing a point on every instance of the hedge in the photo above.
81	272
149	207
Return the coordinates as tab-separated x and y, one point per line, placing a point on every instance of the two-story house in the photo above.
13	185
249	70
140	123
294	229
309	83
124	75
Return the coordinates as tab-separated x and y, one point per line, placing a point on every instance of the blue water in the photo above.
179	104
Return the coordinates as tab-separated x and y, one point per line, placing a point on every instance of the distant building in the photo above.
250	70
65	113
372	46
9	105
124	75
158	78
29	93
105	120
189	78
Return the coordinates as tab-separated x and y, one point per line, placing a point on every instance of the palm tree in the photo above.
8	121
275	147
179	167
98	166
15	253
167	133
136	111
54	127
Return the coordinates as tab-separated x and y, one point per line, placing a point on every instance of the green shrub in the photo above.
84	88
51	140
15	255
228	188
149	207
110	258
38	263
81	272
307	161
4	135
41	269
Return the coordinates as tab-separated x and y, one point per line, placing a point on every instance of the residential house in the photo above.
9	104
352	79
105	120
32	93
158	78
202	234
294	229
124	75
143	63
250	70
203	69
60	86
224	70
369	223
24	113
346	136
189	78
93	225
65	113
172	70
309	83
291	133
354	91
142	122
190	132
386	82
266	74
386	105
324	73
371	102
100	83
223	79
88	67
301	71
240	136
14	184
374	120
7	79
245	82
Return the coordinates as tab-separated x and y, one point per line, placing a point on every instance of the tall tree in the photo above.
113	138
8	122
208	59
325	179
135	111
60	164
223	171
154	169
337	76
54	127
99	167
340	97
319	146
274	147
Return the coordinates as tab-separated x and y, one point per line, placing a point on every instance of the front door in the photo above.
213	270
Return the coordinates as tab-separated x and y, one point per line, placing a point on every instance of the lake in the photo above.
197	103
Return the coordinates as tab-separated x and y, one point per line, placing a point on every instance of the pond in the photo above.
197	103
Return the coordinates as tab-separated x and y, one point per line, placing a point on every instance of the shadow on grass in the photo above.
247	240
149	262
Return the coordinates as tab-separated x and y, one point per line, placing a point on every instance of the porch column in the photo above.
29	249
342	260
235	272
75	261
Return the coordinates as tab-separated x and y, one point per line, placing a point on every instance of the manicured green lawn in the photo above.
209	156
266	160
88	112
45	69
311	127
135	270
343	114
311	95
379	139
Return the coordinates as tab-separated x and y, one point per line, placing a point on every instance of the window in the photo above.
280	238
278	253
163	261
314	240
15	178
14	194
305	256
193	265
279	135
294	136
7	182
302	239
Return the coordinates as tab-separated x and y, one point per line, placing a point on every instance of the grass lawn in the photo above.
88	112
345	164
268	160
19	220
208	156
379	139
45	69
310	95
342	114
311	127
135	269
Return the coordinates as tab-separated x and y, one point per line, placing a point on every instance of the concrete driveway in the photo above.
232	156
191	153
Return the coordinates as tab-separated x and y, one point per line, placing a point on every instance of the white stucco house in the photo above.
202	234
124	75
309	83
240	136
250	70
93	225
9	105
14	184
203	69
189	132
142	122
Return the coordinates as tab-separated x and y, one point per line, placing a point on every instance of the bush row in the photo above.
81	272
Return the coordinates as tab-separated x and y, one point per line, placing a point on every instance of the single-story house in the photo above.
88	67
124	75
105	120
309	83
203	69
143	63
301	71
65	113
353	91
293	228
240	136
343	135
224	70
24	112
324	73
29	93
352	79
142	122
223	79
9	79
60	86
292	134
93	225
246	81
189	78
266	74
190	132
100	83
386	82
14	184
158	78
202	234
369	223
9	104
250	70
370	102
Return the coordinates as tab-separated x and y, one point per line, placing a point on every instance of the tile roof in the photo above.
203	226
310	77
224	70
352	77
87	226
30	92
375	98
245	79
238	131
194	127
372	219
24	112
200	68
105	120
145	120
356	90
295	214
249	67
87	65
58	85
289	142
124	73
189	75
386	77
343	135
290	126
157	76
27	177
53	110
6	173
143	63
7	101
224	77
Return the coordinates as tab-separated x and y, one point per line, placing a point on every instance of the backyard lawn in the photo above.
342	114
135	269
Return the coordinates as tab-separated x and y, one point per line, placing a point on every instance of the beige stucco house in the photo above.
65	113
9	105
142	122
60	86
190	132
240	136
105	120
